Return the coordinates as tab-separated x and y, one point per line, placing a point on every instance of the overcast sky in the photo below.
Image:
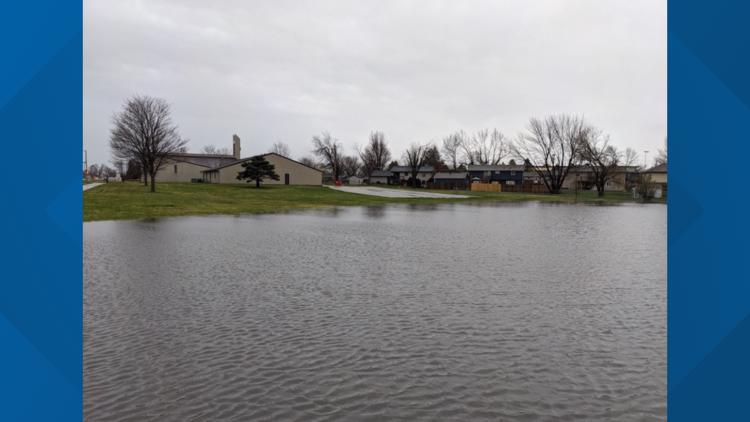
287	70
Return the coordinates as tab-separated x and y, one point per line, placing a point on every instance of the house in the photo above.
353	180
450	180
402	174
622	178
658	174
381	177
506	175
187	167
290	172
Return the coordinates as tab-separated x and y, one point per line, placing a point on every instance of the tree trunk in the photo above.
153	183
145	179
257	183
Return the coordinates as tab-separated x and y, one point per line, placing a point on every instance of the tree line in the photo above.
551	147
143	137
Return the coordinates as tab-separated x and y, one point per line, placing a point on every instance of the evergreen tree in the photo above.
257	168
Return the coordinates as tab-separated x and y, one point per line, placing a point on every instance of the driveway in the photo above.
91	186
394	193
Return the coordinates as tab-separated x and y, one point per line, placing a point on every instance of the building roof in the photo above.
381	173
588	169
407	169
242	160
661	168
498	167
203	160
457	175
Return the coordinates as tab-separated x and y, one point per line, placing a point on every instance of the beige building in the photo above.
187	167
221	168
622	179
658	174
290	172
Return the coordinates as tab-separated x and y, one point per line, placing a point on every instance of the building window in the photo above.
175	168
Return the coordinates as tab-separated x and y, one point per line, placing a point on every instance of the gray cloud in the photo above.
286	70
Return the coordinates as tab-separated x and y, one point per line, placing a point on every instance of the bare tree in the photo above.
106	171
281	149
330	152
452	145
468	148
602	157
376	154
630	157
119	167
551	147
309	161
143	130
212	150
485	147
646	187
414	158
493	149
350	165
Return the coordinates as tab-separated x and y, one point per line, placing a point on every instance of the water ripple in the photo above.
455	313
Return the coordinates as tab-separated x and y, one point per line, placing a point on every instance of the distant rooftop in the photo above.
455	175
497	167
661	168
407	169
203	160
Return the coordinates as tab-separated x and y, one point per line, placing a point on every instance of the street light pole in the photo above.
645	160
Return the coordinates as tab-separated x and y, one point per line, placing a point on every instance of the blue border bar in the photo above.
41	288
709	146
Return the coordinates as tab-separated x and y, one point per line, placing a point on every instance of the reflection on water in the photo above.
458	312
375	211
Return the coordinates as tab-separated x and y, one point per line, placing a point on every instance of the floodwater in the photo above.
459	312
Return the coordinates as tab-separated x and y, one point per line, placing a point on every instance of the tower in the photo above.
236	146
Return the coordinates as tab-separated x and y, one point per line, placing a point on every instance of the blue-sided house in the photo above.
503	174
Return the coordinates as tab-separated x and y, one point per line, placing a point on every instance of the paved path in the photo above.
91	186
394	193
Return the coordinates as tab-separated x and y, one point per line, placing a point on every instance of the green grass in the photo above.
130	200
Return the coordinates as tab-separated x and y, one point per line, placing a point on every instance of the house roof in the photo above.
661	168
407	169
446	175
381	173
588	169
203	160
498	167
242	160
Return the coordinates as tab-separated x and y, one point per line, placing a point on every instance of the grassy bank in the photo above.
129	200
